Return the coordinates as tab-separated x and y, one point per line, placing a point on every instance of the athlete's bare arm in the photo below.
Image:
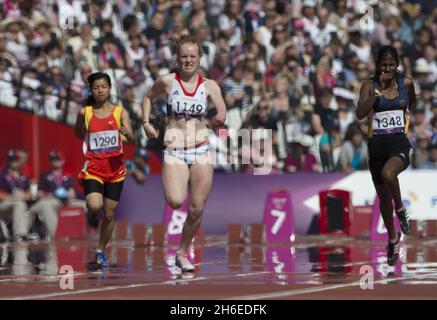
409	84
126	126
79	127
158	89
217	98
367	99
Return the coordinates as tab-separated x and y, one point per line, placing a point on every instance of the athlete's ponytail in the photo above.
90	101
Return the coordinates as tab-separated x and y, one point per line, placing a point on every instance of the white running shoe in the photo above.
183	263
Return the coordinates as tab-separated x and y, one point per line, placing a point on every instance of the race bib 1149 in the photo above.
189	107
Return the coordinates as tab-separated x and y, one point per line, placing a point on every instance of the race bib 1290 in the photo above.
104	141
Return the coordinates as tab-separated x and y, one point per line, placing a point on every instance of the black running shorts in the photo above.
109	190
383	148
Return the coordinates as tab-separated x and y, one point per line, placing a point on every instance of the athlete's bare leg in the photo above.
201	174
175	175
389	173
94	202
108	223
386	208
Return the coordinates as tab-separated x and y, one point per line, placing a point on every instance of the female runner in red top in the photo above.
102	125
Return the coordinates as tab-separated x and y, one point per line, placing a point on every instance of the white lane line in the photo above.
423	282
168	282
38	278
57	277
295	292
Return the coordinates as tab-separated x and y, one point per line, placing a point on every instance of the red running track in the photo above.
317	267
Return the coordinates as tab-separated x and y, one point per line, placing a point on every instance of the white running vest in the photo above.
182	104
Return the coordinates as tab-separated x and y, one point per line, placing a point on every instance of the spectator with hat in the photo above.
299	157
310	19
56	189
6	88
16	41
422	71
345	114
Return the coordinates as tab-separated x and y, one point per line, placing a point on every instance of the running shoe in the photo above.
102	273
183	263
404	221
101	259
32	237
393	251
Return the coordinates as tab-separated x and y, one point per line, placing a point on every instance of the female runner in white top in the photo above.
187	161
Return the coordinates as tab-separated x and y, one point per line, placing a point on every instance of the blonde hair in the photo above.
186	38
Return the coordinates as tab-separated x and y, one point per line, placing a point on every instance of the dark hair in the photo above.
91	79
105	22
353	129
385	50
129	21
273	41
52	45
325	92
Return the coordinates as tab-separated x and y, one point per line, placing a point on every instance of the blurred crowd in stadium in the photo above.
292	66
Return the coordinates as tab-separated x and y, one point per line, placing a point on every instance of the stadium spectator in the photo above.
110	55
431	163
220	68
17	201
230	23
324	118
329	147
7	97
220	149
23	158
138	167
299	157
208	47
237	96
280	97
421	152
84	47
325	30
266	40
263	117
345	111
155	30
56	188
419	120
353	153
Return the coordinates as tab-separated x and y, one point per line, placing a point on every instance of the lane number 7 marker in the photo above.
280	215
